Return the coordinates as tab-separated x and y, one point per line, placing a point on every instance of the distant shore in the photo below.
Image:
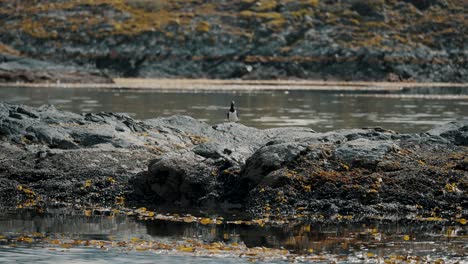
243	85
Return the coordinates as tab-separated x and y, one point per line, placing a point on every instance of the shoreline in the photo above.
241	85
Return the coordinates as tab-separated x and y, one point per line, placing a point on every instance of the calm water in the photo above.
322	111
339	241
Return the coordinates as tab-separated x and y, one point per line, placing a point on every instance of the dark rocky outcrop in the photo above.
425	4
54	158
375	40
23	69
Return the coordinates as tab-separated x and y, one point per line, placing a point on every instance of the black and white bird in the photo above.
232	113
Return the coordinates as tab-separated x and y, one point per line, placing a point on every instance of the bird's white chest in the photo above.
232	116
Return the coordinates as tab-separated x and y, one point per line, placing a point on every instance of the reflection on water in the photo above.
321	111
338	240
97	256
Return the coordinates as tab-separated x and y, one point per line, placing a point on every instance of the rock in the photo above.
364	152
425	4
56	129
222	154
183	180
369	9
389	166
54	138
22	69
181	163
455	132
268	159
275	179
305	39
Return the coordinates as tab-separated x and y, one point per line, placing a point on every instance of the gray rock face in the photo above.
181	162
55	129
456	132
364	151
211	154
267	159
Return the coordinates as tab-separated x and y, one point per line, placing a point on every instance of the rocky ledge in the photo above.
51	158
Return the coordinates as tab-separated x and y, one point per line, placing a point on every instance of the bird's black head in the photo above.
232	106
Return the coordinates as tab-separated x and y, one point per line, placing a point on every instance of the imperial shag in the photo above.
232	113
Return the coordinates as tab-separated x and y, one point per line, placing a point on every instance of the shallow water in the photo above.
322	111
341	242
